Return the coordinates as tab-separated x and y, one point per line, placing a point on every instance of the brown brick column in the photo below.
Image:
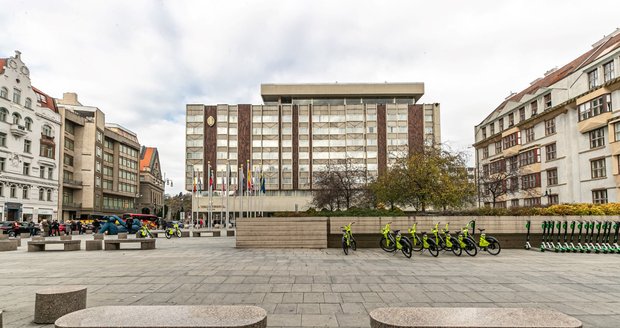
295	144
244	135
415	128
381	139
210	142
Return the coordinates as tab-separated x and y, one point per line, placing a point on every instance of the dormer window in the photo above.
534	107
17	95
28	103
593	79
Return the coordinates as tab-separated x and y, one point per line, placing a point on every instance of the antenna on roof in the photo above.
512	93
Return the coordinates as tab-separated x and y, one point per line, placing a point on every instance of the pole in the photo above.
227	193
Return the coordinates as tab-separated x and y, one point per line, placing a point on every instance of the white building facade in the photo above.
557	141
30	127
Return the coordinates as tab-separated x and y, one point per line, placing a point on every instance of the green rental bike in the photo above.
392	240
486	243
420	244
450	242
173	231
467	243
347	239
144	232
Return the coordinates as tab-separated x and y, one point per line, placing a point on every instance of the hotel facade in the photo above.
557	141
302	129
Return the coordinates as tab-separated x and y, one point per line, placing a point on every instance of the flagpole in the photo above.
193	192
208	181
241	183
222	200
227	193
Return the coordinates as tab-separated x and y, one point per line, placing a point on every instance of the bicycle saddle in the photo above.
481	230
395	231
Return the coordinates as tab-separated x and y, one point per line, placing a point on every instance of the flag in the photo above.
249	177
194	189
199	183
262	182
211	181
241	181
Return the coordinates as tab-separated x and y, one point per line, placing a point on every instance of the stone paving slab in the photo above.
314	288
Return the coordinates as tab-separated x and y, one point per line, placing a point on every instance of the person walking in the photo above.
129	224
96	226
68	227
46	227
78	225
31	227
55	231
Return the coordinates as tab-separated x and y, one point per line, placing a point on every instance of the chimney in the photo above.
18	54
70	98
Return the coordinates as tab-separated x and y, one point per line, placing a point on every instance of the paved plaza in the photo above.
315	288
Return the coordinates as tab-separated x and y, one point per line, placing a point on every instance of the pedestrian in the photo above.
68	227
129	223
78	225
55	228
96	225
46	227
31	227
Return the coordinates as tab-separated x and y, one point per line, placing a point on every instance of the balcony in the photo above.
71	205
18	130
72	183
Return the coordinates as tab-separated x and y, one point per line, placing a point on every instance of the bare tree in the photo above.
340	186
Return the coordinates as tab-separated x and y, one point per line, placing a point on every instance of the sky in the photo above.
141	62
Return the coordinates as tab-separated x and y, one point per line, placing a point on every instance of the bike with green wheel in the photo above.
173	231
485	243
347	239
420	244
450	243
144	232
392	240
466	242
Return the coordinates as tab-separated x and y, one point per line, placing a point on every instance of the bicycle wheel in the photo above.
418	243
385	246
168	234
138	234
456	248
494	247
345	247
407	248
470	247
432	248
441	244
353	244
151	235
178	233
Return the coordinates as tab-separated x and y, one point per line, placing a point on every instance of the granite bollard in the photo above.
54	302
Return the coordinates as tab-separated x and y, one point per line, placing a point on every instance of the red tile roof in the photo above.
146	160
2	63
579	62
45	101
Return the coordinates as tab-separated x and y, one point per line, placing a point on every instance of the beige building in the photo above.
300	130
151	199
99	163
557	141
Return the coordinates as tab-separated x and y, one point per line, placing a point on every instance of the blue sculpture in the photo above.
113	225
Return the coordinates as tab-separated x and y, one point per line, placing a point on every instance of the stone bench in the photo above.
208	233
470	317
3	236
24	235
156	233
115	244
69	245
8	245
94	245
230	233
185	316
54	302
16	240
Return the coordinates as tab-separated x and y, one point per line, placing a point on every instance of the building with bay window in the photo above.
30	127
301	129
557	141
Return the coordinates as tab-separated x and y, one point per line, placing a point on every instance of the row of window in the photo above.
26	169
44	194
510	118
46	130
609	72
17	96
599	196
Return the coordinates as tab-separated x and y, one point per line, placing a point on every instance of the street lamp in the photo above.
166	182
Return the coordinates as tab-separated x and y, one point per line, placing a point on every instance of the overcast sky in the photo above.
141	61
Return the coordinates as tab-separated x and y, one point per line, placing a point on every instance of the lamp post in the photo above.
166	182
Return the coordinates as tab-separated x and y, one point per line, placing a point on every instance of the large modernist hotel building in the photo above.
302	128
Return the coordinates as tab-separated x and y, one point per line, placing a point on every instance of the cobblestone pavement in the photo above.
315	287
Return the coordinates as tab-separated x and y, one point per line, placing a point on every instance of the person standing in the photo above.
68	227
96	226
78	225
46	227
129	224
31	227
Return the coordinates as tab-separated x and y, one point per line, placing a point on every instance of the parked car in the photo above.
13	228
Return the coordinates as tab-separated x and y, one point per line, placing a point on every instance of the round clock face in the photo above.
25	70
12	63
210	121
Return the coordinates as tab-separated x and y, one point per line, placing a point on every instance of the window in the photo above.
597	168
42	172
597	138
533	201
595	107
608	71
27	146
485	152
514	203
498	147
547	100
511	140
49	195
617	131
552	177
521	119
46	130
26	170
99	136
534	107
41	194
25	193
16	118
484	132
492	128
69	144
511	119
554	199
68	160
529	135
2	139
2	163
28	103
13	191
501	124
70	128
550	126
550	152
599	196
46	151
512	163
50	173
530	181
529	157
4	93
592	78
3	114
17	95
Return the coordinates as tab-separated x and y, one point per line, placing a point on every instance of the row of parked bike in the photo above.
582	237
438	240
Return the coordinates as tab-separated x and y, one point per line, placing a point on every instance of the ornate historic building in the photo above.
151	199
30	127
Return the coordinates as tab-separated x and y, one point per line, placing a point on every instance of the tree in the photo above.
340	186
498	179
389	188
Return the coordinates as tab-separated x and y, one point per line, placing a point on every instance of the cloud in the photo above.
142	61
